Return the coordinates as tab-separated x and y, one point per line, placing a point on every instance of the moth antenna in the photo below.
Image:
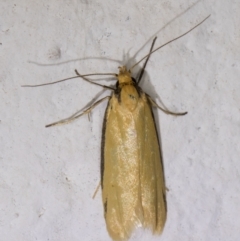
169	42
51	83
74	77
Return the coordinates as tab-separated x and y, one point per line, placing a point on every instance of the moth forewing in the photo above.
133	188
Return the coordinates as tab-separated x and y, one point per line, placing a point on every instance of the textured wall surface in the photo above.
48	175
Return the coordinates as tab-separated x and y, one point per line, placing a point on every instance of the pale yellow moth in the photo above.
132	180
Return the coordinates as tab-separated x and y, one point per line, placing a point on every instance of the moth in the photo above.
132	178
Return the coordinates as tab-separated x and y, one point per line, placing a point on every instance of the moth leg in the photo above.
77	115
144	66
104	86
153	103
96	190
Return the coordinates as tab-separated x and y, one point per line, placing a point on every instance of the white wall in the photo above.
48	175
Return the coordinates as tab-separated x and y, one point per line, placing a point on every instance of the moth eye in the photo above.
134	80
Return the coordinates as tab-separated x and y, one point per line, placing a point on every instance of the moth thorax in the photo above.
124	76
129	97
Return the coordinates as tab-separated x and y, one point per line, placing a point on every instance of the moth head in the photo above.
124	75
